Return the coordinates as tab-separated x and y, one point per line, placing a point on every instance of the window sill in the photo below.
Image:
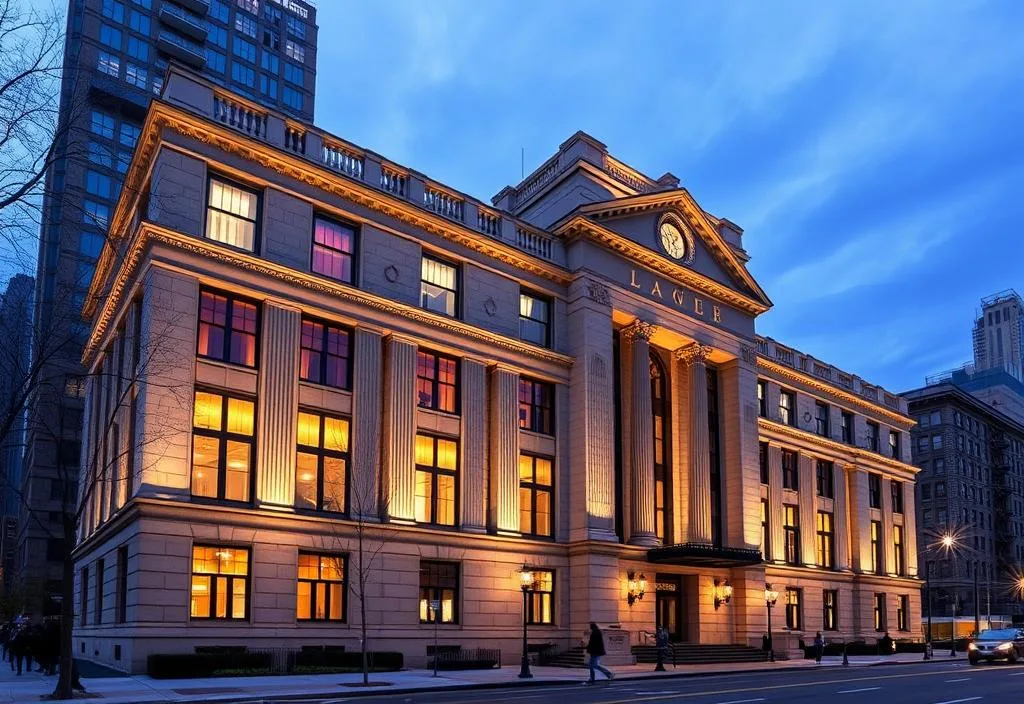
226	364
328	387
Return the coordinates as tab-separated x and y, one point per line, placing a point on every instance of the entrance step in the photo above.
693	654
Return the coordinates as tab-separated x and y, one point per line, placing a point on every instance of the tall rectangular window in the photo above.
223	446
325	355
903	613
98	601
535	496
826	479
765	530
138	49
536	406
436	474
333	246
437	382
228	327
874	490
897	549
791	533
763	460
821	419
540	598
873	433
826	541
245	75
880	613
787	407
439	592
121	610
321	587
877	558
846	419
109	36
245	50
113	10
894	444
220	583
321	462
790	470
794	614
231	214
762	398
830	610
896	488
534	319
439	286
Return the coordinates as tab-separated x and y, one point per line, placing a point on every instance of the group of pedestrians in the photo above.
24	642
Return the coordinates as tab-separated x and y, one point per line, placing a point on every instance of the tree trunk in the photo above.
362	610
63	689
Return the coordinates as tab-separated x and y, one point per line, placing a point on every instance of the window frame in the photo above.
894	444
876	538
762	398
879	612
257	222
321	453
547	301
791	534
535	410
230	577
330	220
825	472
830	611
457	291
228	330
903	612
456	593
532	606
436	471
874	490
826	540
223	436
846	423
874	436
896	491
325	356
898	549
344	582
822	425
534	488
791	475
794	608
764	462
436	384
787	413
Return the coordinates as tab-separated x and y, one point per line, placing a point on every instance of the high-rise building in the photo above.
998	333
16	333
116	55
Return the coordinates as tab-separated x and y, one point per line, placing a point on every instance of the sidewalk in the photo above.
126	690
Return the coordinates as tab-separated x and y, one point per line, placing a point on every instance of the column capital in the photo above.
638	330
598	292
400	338
694	353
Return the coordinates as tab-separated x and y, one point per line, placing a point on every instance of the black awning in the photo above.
703	555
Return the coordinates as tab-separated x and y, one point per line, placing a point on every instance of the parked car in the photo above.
997	644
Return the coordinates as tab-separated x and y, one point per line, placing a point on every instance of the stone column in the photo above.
680	445
399	423
504	477
277	405
808	510
860	518
642	529
841	510
778	536
695	358
909	529
364	493
473	468
888	549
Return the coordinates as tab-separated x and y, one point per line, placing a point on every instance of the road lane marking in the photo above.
957	701
1017	674
862	689
742	701
962	679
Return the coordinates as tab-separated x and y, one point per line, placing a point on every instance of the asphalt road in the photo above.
947	683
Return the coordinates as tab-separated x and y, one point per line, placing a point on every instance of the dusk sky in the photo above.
873	152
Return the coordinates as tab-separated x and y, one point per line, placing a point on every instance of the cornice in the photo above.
856	455
582	227
151	233
904	422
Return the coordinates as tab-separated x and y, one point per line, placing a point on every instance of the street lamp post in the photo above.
770	597
928	601
526	584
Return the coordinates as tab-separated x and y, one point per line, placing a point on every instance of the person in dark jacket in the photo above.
819	647
596	651
20	647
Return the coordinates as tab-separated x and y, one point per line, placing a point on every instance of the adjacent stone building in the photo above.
297	342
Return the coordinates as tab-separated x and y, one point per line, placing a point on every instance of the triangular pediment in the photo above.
639	220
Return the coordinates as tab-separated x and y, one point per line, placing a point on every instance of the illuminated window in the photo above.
436	470
877	559
220	583
535	496
231	215
439	592
880	613
227	329
333	244
325	354
826	541
222	446
794	615
536	406
826	479
787	407
791	533
902	613
321	462
540	598
662	475
439	286
790	470
535	319
897	549
320	594
830	610
437	382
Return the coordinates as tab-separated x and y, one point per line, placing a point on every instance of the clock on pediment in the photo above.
675	238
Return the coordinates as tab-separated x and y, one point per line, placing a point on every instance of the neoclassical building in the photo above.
299	347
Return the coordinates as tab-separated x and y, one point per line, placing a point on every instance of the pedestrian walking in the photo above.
819	647
20	648
661	641
596	651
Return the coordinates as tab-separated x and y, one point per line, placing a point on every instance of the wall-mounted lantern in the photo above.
636	587
722	592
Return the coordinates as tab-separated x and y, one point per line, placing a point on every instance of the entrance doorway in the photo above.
669	606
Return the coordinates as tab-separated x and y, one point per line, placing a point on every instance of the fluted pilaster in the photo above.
504	417
695	358
860	518
808	510
367	384
778	537
842	518
642	529
399	426
473	468
277	405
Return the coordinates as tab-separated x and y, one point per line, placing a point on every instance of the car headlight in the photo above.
1005	646
972	646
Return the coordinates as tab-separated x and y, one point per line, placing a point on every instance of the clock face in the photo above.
672	240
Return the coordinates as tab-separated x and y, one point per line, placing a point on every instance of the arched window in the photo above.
662	485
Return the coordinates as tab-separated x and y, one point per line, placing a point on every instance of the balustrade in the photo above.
442	203
488	223
394	182
344	160
533	242
295	140
240	116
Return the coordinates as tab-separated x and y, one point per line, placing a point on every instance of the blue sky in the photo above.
872	151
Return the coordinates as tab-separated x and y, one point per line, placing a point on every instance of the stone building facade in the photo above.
297	344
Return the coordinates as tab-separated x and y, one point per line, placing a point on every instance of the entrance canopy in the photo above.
703	555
